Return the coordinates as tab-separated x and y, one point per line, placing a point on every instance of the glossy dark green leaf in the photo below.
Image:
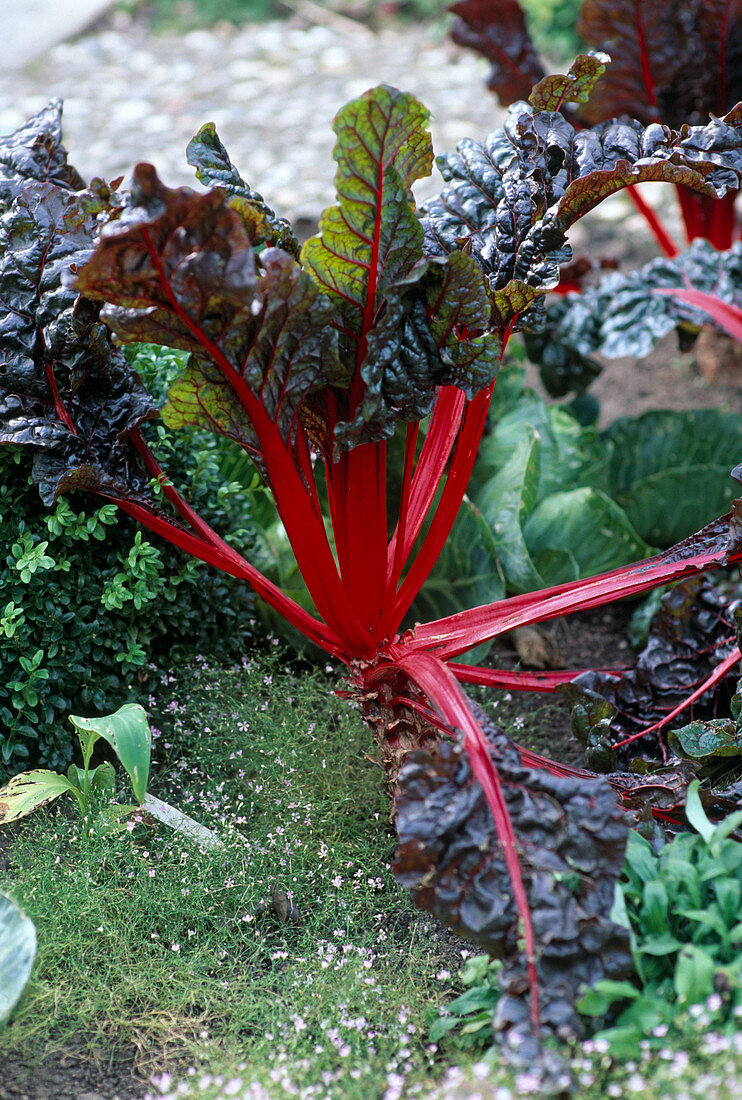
624	314
35	152
512	200
65	390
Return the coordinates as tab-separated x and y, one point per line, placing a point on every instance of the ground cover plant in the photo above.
284	778
313	361
188	957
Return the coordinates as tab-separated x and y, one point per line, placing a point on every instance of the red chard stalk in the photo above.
310	360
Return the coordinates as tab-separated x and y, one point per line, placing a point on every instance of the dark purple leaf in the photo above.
693	631
571	839
497	30
34	152
64	390
673	61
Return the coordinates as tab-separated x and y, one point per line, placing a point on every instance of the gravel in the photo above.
271	88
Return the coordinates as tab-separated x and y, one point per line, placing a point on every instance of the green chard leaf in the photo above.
576	87
399	330
288	349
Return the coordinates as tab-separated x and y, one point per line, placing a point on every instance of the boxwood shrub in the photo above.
90	609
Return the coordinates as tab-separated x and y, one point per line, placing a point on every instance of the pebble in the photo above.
271	88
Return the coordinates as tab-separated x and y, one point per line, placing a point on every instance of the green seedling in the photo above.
126	731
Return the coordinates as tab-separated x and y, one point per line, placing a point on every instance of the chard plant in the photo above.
672	62
313	360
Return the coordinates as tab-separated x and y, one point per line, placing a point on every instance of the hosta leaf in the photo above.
214	169
127	732
17	951
499	32
571	840
26	792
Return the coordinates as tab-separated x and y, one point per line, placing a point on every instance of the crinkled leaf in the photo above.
421	342
571	840
512	200
498	31
182	271
653	455
179	268
692	632
64	389
673	61
17	951
35	152
624	314
551	93
287	349
214	169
